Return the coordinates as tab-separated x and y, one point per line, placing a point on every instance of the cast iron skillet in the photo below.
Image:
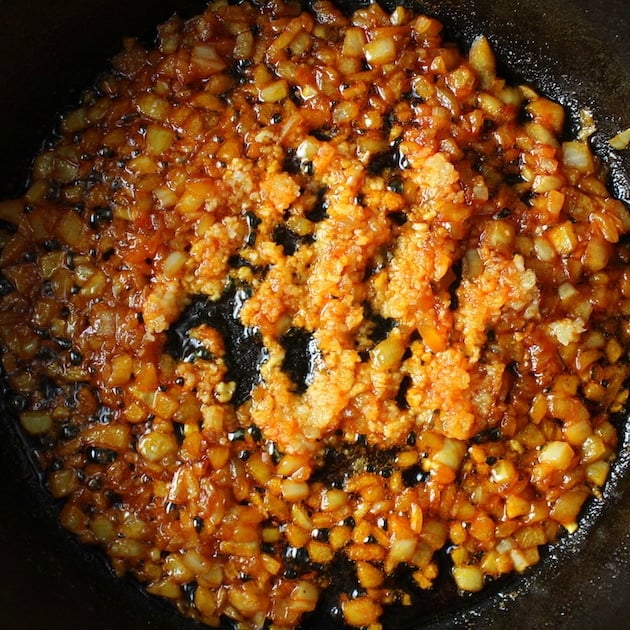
575	51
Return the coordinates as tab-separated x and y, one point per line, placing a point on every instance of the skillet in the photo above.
574	51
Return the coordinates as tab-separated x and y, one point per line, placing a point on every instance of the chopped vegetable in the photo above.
297	299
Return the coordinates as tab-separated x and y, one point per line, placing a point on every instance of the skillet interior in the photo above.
573	51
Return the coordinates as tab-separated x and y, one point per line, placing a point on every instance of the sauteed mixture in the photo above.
296	302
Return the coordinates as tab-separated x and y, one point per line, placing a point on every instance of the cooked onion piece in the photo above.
299	301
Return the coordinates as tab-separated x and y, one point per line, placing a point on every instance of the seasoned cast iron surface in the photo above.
574	51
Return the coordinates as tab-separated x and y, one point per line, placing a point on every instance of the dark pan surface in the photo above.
575	51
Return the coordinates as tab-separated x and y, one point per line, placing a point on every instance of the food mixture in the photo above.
298	301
